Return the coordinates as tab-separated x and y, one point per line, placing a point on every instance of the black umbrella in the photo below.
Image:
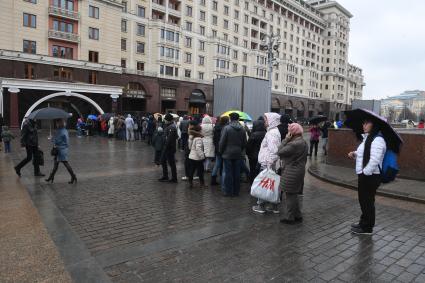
317	119
49	113
356	117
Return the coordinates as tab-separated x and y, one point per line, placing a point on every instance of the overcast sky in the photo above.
387	40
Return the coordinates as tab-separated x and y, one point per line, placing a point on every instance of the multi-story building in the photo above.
158	55
409	105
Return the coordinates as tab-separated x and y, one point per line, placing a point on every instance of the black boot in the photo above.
50	179
214	181
73	176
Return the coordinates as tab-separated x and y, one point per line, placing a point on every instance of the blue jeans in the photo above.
7	146
218	166
232	173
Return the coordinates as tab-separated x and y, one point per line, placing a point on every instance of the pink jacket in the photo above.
267	157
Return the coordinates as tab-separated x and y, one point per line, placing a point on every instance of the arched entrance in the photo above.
300	110
197	102
276	105
289	108
133	98
66	94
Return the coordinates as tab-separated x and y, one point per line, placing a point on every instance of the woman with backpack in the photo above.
369	157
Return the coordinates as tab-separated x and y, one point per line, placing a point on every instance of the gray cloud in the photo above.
387	40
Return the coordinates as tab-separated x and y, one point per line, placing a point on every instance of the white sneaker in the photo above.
184	178
196	178
258	209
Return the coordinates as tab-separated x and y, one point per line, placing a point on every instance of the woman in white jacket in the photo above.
208	141
196	155
369	156
268	157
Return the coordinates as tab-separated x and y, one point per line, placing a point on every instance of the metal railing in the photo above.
67	36
57	11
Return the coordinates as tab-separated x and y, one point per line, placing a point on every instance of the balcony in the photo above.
174	13
65	36
64	13
158	7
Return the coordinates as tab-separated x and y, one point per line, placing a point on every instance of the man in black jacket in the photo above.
29	140
253	148
232	148
285	120
169	151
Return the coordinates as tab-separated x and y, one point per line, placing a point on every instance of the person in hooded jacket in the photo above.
169	150
293	154
208	134
268	157
232	146
218	166
196	155
253	148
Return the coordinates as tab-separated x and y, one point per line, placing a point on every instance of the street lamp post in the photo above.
270	45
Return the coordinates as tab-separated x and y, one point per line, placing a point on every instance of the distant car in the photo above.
409	123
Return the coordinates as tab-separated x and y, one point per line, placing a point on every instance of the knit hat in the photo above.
295	129
168	117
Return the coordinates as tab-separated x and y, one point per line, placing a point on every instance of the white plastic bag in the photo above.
266	186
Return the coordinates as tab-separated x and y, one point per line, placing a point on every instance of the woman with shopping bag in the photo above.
293	155
268	160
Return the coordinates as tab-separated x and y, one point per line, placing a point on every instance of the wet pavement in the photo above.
119	224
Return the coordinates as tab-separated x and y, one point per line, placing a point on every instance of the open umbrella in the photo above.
107	116
242	115
355	118
92	117
49	113
318	119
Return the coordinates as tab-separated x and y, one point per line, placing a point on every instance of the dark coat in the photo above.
217	135
158	141
233	141
29	136
170	132
254	141
184	126
293	154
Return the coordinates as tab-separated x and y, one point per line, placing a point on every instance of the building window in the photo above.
188	11
61	73
188	58
94	33
201	60
214	20
214	5
188	26
93	12
123	63
244	70
30	20
92	77
235	68
62	52
123	44
64	4
201	75
187	73
226	24
140	47
94	56
140	66
141	11
168	92
29	46
63	26
202	30
226	10
31	1
202	15
123	26
29	71
124	6
140	30
188	42
202	45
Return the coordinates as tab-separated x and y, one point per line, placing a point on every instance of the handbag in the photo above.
38	158
54	151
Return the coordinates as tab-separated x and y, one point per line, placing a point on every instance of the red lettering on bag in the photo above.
267	184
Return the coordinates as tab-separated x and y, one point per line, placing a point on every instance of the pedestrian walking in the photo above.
208	141
136	128
158	142
231	146
60	152
196	155
129	128
267	156
293	155
7	136
150	128
218	165
253	148
369	156
111	128
314	139
29	140
169	151
144	128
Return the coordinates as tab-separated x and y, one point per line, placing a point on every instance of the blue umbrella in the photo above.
92	117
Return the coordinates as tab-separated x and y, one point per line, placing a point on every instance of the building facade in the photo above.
409	105
161	55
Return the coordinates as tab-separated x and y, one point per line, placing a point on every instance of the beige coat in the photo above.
293	156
